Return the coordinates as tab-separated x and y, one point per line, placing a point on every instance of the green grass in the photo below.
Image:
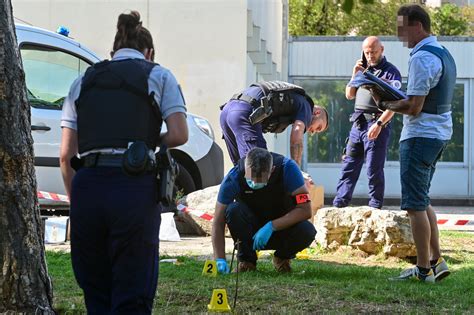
350	285
67	294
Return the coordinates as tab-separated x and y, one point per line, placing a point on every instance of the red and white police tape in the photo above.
456	220
444	220
52	196
464	222
196	213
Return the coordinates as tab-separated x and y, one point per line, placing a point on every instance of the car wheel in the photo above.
184	183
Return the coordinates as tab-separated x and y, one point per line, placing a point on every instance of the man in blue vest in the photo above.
427	128
266	205
370	133
269	106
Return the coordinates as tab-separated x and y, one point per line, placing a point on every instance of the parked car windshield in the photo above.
49	74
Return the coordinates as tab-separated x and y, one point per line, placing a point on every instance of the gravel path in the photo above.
188	246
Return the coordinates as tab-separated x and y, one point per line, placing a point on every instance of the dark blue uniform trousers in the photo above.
115	223
374	152
243	224
239	134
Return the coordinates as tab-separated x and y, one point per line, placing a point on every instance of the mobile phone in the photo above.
364	60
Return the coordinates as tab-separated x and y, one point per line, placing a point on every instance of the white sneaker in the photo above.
415	274
440	269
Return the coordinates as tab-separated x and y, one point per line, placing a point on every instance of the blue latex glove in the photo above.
222	266
260	239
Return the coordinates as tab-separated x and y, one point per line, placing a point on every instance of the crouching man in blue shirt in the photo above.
265	204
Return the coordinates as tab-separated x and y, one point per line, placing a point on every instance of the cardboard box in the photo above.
316	193
56	229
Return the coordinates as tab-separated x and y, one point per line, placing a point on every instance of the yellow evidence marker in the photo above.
219	301
210	268
303	254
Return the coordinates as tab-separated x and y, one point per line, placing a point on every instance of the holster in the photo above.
361	118
136	160
261	112
167	173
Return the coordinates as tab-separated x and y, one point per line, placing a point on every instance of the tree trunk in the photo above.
24	282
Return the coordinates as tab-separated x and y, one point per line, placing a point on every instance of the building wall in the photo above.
335	56
268	15
203	42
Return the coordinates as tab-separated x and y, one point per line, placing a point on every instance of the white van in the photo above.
51	63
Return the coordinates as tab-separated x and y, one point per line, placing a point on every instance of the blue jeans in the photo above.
418	158
243	223
115	224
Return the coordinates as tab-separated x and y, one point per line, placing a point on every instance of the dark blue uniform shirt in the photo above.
230	187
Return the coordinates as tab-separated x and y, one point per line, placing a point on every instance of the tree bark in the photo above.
24	282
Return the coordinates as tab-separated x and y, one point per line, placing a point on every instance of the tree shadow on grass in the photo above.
451	260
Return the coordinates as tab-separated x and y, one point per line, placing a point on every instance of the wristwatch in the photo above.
380	123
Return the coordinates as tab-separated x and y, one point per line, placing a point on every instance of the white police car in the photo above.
51	63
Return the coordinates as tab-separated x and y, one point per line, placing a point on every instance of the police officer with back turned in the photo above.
112	118
269	107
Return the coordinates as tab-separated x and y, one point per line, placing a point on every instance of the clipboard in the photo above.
383	89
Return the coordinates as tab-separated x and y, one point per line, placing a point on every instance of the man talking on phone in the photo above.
370	132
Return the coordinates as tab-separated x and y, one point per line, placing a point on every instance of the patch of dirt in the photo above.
355	258
454	247
455	243
200	246
367	307
59	247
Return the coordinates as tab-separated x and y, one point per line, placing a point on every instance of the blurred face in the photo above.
373	51
256	181
319	122
407	33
